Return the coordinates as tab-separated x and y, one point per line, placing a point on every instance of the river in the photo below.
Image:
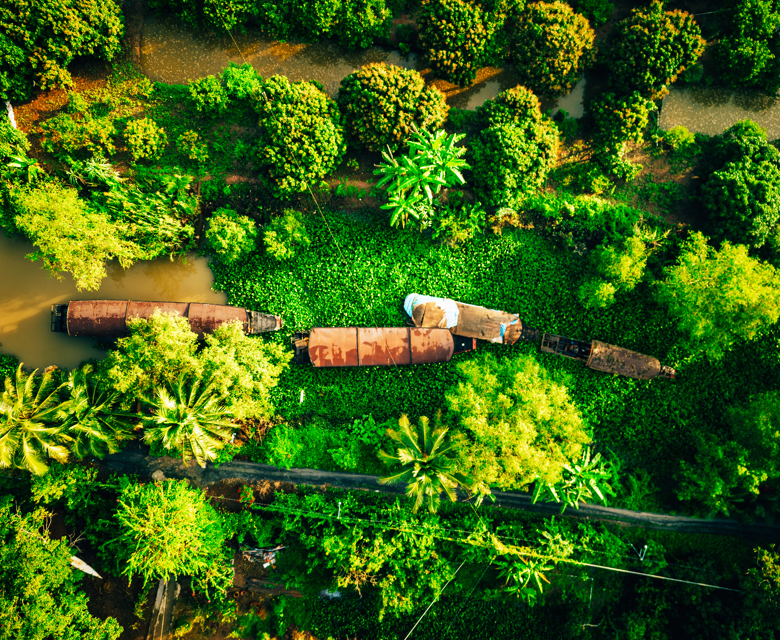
27	292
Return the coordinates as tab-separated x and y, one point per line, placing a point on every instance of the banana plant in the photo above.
29	167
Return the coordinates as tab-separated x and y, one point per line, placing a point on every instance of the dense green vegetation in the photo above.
328	211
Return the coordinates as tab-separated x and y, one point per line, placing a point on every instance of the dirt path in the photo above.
133	461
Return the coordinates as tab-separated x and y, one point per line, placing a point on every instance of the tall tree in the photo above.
427	468
515	424
39	593
30	430
720	296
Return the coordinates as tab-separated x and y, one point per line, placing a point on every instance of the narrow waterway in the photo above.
27	292
175	54
712	110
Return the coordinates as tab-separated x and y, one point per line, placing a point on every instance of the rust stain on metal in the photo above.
431	345
146	309
98	318
204	318
333	347
383	346
612	359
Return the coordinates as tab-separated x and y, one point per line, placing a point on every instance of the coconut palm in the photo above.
29	427
91	418
189	419
427	469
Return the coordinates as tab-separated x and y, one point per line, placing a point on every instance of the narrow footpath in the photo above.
134	461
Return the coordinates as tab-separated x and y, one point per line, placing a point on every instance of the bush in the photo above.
510	162
315	20
360	22
64	134
190	144
13	142
551	46
741	186
680	139
459	37
241	82
301	137
208	95
615	269
39	39
749	55
518	107
285	235
145	139
597	11
382	103
620	119
651	48
230	235
226	14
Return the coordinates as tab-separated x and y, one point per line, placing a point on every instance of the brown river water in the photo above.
27	292
175	54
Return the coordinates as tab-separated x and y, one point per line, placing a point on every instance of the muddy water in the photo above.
27	292
175	54
712	111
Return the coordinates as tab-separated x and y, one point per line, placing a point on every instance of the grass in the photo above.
649	425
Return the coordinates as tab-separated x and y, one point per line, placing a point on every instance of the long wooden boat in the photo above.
377	346
108	318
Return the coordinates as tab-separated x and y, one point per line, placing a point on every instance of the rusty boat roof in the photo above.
613	359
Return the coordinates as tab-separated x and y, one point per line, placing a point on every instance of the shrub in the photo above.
651	47
208	95
230	235
621	119
517	106
382	103
190	144
40	39
226	14
614	269
285	235
597	11
301	137
679	138
362	21
145	139
741	186
749	55
13	142
315	20
241	82
720	297
459	37
65	134
510	162
551	46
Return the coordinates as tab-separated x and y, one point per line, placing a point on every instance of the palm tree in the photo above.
90	416
188	419
29	427
427	469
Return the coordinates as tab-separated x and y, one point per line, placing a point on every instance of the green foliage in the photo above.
459	37
30	431
749	55
39	594
360	22
241	82
91	416
427	469
230	235
286	235
551	46
145	139
511	163
651	48
8	365
517	107
209	96
741	188
587	478
301	137
13	142
67	134
620	119
226	14
40	38
515	423
189	418
720	297
167	530
70	235
741	465
597	11
434	161
382	104
761	587
615	269
190	144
